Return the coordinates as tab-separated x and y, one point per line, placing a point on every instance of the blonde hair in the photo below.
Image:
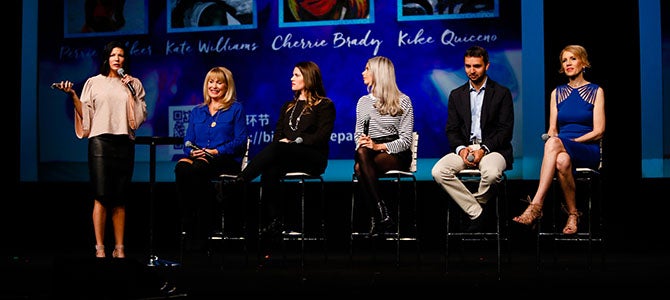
579	52
225	75
383	86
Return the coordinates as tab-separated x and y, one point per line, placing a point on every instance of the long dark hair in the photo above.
314	89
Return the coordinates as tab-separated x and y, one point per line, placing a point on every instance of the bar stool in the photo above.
302	235
222	183
591	231
471	178
398	177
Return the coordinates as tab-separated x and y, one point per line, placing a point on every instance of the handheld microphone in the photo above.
122	73
297	140
194	147
475	146
366	124
545	137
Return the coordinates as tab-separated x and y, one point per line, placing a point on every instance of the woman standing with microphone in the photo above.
110	109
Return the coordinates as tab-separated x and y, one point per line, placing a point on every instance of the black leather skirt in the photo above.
111	160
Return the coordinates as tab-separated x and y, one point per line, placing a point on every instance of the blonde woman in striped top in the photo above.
383	135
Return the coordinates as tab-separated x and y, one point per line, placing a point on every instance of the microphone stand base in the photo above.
154	261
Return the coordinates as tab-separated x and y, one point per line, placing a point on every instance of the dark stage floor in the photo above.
230	274
48	253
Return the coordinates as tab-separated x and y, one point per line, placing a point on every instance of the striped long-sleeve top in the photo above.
401	125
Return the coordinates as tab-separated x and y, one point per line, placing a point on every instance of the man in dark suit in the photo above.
479	127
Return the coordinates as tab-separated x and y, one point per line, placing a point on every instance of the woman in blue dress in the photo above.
576	126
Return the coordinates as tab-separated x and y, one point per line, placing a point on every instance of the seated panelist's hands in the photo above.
474	159
198	153
479	153
464	153
366	141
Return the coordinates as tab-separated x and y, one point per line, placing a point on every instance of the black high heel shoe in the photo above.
273	230
382	228
271	237
385	224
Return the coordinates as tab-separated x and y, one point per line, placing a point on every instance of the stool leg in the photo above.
497	199
302	225
414	223
446	246
351	221
324	233
397	224
259	244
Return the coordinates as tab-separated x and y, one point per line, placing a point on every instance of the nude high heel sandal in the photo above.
531	215
118	252
100	251
571	223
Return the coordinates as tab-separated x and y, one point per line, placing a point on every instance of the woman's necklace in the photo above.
297	120
216	117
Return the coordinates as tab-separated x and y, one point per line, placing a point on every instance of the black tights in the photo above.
369	165
273	162
196	193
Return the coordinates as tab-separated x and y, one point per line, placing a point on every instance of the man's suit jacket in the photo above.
497	119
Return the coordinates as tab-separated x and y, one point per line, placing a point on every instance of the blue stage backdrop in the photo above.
172	48
655	88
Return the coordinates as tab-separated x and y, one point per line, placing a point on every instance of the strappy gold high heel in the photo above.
100	251
118	252
571	223
531	215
